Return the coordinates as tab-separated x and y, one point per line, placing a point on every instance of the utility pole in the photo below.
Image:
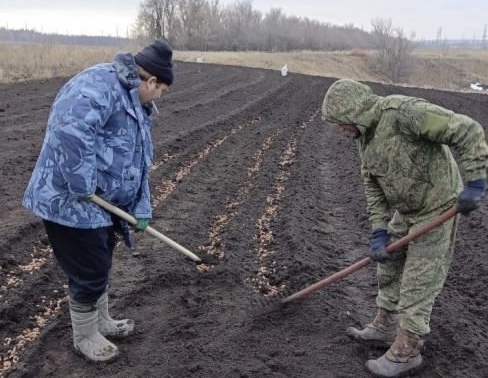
484	37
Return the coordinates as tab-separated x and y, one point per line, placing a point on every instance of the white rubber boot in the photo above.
88	341
108	326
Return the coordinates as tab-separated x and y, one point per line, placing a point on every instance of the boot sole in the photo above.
117	336
379	344
109	361
407	373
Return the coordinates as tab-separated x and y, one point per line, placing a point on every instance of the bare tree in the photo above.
157	19
394	57
195	23
272	29
215	32
243	26
170	21
148	21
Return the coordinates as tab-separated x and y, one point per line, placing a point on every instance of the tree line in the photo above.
33	36
209	26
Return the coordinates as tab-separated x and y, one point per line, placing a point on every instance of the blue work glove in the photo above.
377	247
142	223
121	227
471	196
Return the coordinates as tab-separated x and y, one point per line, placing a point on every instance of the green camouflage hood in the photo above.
350	102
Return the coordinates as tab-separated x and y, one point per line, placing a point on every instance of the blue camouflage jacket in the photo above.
98	140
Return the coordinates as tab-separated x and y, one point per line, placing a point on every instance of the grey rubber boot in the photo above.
108	326
402	358
382	331
88	341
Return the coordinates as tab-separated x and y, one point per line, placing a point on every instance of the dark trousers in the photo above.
85	255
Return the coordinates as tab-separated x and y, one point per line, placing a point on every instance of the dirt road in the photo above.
246	171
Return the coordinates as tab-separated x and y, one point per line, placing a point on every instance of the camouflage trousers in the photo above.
410	282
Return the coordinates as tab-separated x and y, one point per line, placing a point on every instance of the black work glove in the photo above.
377	247
121	227
471	196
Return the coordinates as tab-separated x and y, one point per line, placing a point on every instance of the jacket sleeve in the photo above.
458	131
142	206
75	126
377	205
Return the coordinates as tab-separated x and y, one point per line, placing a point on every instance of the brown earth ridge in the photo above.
246	171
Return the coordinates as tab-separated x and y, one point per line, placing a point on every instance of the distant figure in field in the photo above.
410	176
284	70
98	141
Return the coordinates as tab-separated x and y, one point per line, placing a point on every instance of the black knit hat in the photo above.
157	60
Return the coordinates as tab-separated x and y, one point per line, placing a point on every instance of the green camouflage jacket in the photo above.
404	145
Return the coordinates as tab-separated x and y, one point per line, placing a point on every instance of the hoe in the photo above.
400	243
129	218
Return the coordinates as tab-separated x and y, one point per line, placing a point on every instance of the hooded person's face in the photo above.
351	105
350	129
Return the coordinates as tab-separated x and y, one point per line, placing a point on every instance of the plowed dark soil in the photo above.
245	171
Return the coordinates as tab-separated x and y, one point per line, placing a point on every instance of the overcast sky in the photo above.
457	18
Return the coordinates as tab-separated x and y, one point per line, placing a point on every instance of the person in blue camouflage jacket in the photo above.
98	141
410	176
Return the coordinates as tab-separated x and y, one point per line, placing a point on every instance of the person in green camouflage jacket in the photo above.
410	176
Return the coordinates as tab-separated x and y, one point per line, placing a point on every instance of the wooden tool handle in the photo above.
400	243
129	218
